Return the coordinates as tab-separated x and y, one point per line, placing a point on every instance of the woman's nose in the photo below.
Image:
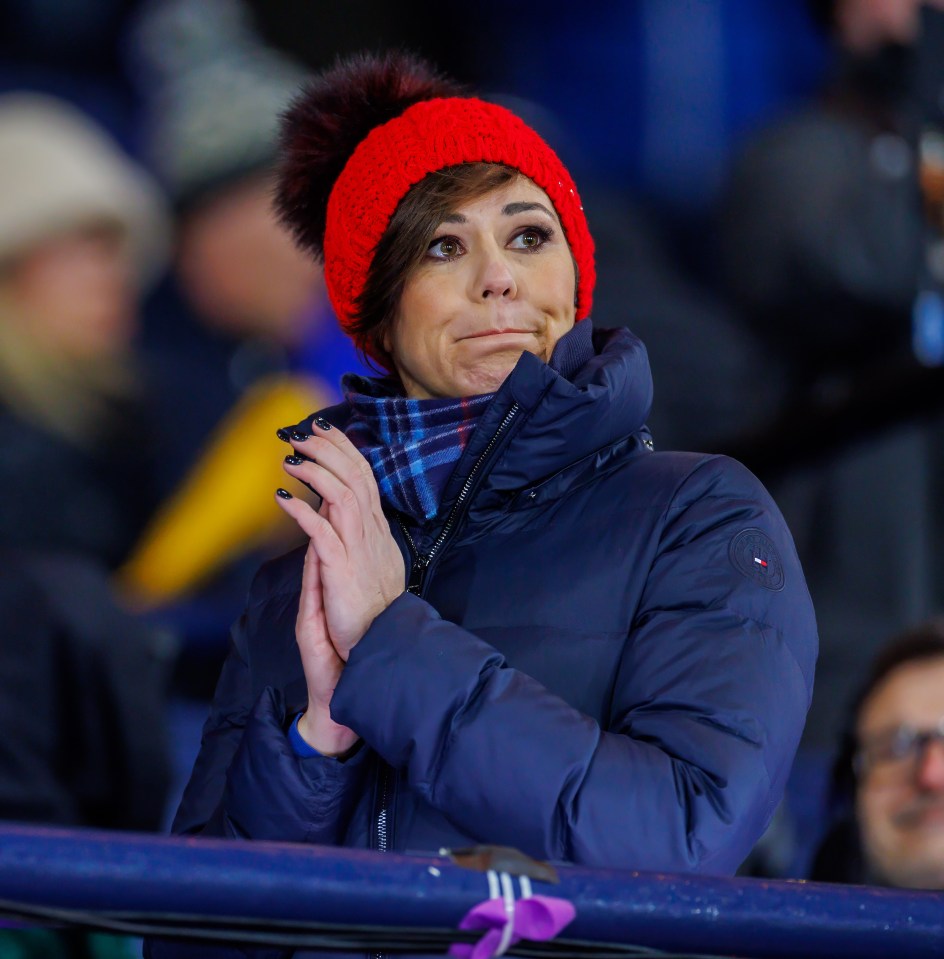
496	276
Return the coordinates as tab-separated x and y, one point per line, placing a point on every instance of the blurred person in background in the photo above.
823	227
80	228
888	780
827	248
82	682
241	336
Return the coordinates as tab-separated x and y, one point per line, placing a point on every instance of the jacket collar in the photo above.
554	421
562	421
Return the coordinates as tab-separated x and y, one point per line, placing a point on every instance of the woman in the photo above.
514	623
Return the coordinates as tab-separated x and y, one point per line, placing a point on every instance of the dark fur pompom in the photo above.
333	113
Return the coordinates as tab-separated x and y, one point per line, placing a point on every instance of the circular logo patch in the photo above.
754	554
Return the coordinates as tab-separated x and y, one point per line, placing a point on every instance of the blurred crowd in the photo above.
765	185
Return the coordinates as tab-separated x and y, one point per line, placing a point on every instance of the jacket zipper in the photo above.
421	562
382	815
418	568
380	825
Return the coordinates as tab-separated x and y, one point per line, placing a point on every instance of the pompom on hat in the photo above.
427	132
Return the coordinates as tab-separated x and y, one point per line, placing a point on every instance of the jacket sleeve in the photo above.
708	705
247	781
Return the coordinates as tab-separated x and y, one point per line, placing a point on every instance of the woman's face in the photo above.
497	281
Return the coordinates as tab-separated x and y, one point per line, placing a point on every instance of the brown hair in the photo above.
404	243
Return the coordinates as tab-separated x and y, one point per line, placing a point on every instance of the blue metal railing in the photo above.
95	873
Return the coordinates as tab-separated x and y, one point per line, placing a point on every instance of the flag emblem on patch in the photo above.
753	553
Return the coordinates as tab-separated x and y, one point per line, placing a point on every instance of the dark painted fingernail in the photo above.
322	423
283	493
299	436
283	434
294	460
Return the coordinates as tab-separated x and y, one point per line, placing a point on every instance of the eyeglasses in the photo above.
895	751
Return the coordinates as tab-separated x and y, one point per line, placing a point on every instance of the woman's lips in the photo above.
507	331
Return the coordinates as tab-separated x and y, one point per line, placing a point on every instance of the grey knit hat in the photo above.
59	171
214	92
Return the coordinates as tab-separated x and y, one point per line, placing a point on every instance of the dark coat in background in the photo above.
89	496
823	242
609	660
82	687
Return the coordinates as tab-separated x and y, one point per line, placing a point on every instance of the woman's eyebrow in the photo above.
511	209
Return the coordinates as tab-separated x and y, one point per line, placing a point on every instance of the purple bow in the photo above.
537	918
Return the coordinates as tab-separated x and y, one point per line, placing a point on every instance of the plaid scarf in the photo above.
411	445
414	445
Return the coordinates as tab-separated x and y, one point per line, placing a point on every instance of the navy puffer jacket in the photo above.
607	657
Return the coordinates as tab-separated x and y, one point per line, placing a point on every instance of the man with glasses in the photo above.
889	776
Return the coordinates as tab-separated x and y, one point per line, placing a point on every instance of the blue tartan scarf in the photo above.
413	445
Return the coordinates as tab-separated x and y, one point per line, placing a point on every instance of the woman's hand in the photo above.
360	565
322	667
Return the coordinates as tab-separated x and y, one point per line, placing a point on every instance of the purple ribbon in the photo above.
538	918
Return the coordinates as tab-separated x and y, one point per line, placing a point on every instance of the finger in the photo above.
321	533
311	630
353	470
320	428
320	660
296	459
345	512
311	600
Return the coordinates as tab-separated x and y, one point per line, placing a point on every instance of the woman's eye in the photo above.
445	248
531	238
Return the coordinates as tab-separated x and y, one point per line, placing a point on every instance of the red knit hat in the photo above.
426	137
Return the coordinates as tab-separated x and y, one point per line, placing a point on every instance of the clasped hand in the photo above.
353	570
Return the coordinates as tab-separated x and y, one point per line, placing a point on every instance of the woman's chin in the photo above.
471	372
488	376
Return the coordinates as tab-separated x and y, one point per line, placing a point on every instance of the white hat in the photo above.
60	171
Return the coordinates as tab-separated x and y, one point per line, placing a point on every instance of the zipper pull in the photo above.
417	573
